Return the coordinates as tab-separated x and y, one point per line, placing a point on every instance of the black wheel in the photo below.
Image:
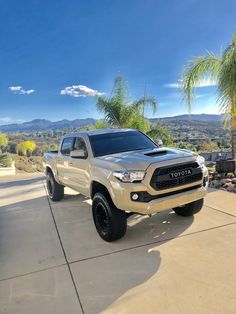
110	222
55	190
189	209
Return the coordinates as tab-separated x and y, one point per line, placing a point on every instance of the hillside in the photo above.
194	129
197	117
43	124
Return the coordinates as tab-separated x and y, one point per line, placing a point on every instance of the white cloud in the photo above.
172	85
202	95
80	91
201	83
8	120
15	88
177	95
29	91
20	90
5	120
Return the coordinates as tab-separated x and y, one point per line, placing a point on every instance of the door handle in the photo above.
70	163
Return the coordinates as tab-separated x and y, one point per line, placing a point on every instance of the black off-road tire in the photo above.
110	222
189	209
55	190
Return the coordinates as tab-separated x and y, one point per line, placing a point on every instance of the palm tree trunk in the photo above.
233	136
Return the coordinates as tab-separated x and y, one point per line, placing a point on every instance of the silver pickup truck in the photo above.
125	172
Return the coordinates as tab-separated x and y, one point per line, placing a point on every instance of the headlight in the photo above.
201	160
129	176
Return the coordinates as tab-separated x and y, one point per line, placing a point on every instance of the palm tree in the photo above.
221	69
121	112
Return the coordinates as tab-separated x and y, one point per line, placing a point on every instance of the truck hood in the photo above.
142	159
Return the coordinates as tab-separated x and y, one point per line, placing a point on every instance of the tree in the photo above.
221	69
21	149
210	146
121	112
158	132
53	146
185	145
101	125
3	141
25	147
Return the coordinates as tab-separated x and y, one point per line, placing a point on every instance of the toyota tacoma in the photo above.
123	171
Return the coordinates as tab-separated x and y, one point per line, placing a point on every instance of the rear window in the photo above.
66	146
118	142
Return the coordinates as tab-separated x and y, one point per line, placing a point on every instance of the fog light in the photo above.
135	196
205	181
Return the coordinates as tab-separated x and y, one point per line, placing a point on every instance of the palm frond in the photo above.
109	107
141	103
198	69
227	80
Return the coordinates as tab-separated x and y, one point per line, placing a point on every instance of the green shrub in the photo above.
5	160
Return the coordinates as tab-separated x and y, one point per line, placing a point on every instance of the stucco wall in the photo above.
5	171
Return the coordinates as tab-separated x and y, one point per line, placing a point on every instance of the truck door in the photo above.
79	168
63	160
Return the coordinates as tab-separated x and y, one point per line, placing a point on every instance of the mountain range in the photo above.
43	124
196	117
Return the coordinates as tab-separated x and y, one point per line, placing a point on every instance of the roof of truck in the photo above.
98	131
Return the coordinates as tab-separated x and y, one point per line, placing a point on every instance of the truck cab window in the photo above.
66	146
79	144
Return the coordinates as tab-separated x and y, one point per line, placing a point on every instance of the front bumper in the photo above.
163	203
121	195
173	201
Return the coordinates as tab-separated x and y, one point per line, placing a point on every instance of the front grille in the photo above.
167	170
161	179
176	182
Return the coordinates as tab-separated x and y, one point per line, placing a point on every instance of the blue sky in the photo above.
49	46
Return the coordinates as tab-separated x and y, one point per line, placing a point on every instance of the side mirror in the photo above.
159	143
80	153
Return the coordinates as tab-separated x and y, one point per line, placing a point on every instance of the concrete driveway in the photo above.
53	261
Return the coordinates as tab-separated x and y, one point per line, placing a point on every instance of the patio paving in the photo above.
53	261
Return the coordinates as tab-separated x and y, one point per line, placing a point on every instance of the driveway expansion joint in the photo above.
33	272
63	250
221	211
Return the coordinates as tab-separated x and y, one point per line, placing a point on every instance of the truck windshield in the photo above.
118	142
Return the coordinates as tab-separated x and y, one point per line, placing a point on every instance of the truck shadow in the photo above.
134	267
126	264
